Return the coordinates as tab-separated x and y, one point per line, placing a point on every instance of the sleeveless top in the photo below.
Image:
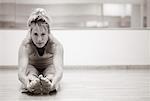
46	59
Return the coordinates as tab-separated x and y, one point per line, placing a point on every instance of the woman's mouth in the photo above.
40	43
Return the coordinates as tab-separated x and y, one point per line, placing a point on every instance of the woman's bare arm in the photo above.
22	64
58	64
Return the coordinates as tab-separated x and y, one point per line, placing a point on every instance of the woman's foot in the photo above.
35	86
46	84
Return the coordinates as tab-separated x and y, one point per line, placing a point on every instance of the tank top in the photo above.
41	62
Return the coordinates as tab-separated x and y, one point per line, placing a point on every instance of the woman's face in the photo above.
39	35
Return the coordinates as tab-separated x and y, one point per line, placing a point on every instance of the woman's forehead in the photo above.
39	28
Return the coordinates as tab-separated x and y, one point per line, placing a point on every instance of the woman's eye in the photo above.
35	34
43	34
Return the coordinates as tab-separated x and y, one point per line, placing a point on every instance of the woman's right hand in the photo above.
31	82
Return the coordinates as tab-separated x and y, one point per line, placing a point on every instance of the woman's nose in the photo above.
39	39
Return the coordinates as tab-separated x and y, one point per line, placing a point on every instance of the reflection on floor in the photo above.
85	85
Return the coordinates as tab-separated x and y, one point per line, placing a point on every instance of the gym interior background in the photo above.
106	48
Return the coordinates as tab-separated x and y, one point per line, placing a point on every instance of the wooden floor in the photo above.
85	85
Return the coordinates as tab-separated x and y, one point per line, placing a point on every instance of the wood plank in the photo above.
85	85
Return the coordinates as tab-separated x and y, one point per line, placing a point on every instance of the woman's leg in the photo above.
48	74
34	82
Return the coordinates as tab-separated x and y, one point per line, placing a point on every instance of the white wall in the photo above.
87	47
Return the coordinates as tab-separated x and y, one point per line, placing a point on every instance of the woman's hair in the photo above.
39	16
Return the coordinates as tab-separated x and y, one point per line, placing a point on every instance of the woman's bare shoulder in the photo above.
54	40
57	45
25	46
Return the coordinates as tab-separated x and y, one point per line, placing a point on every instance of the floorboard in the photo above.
85	85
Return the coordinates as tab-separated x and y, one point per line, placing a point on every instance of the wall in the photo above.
87	47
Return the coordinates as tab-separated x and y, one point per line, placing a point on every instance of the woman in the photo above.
40	58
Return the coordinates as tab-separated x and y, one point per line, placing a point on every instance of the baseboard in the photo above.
91	67
8	67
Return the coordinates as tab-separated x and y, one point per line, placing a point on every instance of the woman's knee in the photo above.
31	70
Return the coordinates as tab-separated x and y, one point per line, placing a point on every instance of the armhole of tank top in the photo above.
28	46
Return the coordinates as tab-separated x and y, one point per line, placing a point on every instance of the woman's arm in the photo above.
22	64
58	63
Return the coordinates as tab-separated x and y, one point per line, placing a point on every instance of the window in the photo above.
117	15
68	14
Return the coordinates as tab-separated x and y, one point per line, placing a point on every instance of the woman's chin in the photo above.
39	46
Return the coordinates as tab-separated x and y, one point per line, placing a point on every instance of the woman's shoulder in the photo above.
54	43
26	44
54	40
